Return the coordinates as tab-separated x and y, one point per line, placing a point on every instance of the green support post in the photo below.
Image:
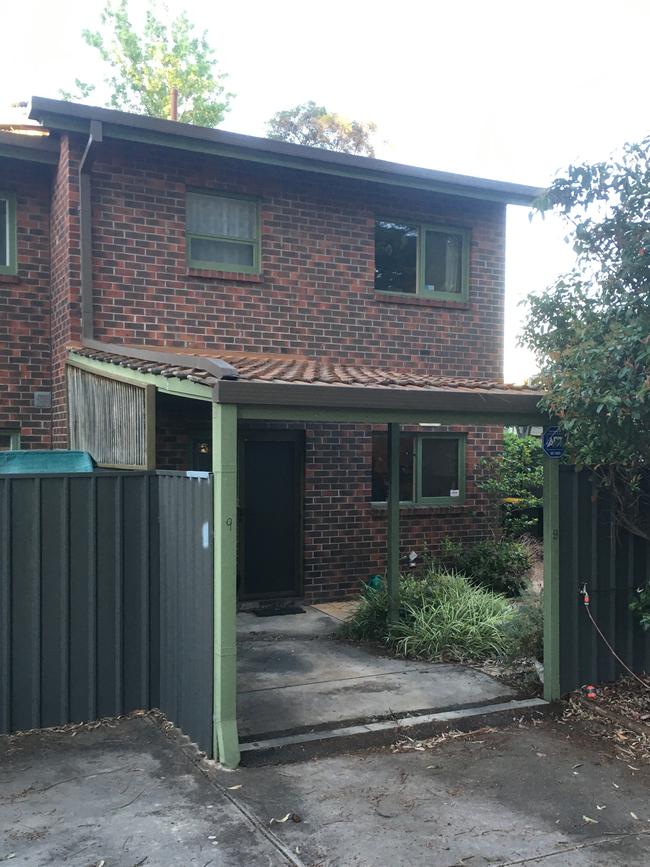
551	578
392	572
224	467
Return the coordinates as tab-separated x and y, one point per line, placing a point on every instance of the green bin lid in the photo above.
36	461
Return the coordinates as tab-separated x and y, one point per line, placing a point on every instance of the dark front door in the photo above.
270	525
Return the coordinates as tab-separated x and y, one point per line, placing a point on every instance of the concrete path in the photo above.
121	796
517	796
294	676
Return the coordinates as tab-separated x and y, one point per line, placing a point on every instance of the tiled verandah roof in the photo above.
262	367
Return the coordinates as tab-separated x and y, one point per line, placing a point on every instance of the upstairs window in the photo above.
9	440
223	233
8	263
422	260
431	469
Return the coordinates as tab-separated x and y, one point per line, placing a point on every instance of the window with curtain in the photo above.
222	232
421	260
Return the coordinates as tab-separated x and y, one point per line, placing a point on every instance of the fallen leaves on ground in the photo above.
407	744
619	714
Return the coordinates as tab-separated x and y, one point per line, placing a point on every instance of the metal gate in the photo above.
106	599
613	563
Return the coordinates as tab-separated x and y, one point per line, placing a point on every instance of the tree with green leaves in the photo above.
147	67
515	479
313	125
591	329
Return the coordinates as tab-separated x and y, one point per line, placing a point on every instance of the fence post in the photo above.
551	578
224	468
392	570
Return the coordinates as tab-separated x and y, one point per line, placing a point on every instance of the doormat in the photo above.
270	611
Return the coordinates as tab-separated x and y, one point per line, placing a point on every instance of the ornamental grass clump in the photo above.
442	616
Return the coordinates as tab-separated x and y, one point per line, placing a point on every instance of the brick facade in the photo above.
25	351
315	296
316	292
344	534
66	307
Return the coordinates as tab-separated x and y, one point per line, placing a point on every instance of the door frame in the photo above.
298	438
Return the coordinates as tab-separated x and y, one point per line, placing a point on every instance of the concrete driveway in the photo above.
130	795
123	795
528	794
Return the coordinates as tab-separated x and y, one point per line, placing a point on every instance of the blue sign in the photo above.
553	442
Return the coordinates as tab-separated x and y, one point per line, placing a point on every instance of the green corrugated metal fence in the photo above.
88	563
612	563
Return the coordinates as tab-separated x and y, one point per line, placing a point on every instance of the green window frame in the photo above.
418	484
8	260
10	438
419	267
234	239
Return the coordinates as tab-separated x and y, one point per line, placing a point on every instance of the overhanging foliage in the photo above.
591	329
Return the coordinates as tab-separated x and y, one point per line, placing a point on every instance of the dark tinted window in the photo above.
395	257
439	467
380	469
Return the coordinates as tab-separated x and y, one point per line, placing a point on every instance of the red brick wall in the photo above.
316	293
345	536
66	323
315	296
25	308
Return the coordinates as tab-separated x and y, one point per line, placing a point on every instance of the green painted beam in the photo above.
551	578
169	385
376	416
224	468
392	571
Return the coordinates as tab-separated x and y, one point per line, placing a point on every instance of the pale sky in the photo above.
506	89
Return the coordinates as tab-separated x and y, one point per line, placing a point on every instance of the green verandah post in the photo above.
551	578
392	572
224	468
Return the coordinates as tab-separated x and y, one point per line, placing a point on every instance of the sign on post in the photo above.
553	442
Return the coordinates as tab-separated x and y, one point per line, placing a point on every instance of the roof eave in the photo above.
35	149
509	406
71	117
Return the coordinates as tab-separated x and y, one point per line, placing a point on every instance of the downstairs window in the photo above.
431	468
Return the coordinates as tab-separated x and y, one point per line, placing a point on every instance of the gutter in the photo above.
36	149
350	397
120	125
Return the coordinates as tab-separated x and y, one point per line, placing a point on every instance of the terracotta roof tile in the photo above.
262	367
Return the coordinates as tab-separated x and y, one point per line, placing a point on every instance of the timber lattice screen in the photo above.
110	419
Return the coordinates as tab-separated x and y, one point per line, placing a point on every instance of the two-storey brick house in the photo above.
287	264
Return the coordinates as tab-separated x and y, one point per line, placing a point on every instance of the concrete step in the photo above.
348	738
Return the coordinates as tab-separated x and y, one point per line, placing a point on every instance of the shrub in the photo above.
526	629
442	616
641	606
498	564
516	478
